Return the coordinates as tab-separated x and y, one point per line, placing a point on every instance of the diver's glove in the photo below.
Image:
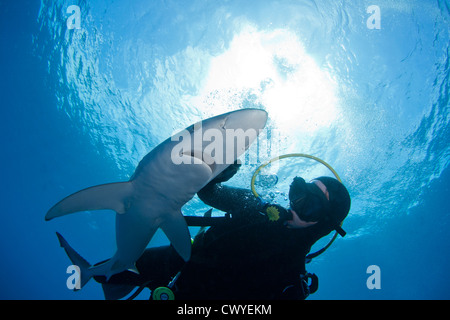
276	213
225	175
228	173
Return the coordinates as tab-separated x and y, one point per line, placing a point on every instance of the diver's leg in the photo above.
156	268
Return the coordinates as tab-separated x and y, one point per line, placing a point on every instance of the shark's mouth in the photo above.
201	157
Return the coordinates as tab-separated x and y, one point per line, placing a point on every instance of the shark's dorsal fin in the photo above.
106	196
202	230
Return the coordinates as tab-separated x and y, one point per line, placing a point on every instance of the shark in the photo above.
163	182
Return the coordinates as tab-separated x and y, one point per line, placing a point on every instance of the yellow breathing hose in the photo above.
291	155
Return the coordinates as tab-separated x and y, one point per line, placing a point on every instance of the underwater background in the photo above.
363	85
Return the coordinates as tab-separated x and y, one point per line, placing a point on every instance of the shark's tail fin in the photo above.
83	265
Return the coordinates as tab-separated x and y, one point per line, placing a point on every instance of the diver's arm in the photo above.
229	199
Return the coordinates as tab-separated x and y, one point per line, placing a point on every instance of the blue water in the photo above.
81	107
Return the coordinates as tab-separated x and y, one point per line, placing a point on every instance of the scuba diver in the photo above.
256	251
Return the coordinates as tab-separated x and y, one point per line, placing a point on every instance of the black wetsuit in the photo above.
245	257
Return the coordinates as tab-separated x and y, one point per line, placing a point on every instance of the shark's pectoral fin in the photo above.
176	230
107	196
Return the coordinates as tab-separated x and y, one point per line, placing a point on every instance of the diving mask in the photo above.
311	202
307	200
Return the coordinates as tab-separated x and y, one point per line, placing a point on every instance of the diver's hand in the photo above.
228	173
296	223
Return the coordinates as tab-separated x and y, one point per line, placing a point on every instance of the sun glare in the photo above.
270	69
